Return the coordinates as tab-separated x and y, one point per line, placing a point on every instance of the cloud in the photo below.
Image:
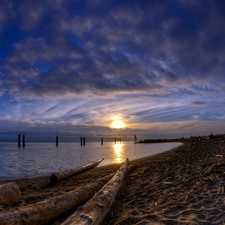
145	116
115	48
84	62
199	103
7	14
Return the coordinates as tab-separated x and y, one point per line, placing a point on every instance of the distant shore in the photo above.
182	139
184	185
147	141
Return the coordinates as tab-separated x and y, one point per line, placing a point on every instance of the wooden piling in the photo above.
135	138
23	140
115	140
83	140
18	140
57	141
101	140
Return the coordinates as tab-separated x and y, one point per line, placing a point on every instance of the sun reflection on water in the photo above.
118	152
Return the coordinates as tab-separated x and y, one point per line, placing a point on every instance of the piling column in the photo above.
115	140
18	140
101	140
23	140
83	140
57	141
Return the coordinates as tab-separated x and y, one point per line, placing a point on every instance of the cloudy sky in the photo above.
72	67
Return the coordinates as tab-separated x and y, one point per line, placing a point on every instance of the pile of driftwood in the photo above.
98	196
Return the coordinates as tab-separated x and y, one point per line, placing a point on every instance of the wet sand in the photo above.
183	186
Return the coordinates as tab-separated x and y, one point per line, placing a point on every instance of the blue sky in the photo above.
71	67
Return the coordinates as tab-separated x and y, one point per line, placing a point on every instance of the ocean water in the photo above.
43	159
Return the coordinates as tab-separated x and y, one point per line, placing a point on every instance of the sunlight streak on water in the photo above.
118	149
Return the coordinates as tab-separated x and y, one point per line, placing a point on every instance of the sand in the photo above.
182	186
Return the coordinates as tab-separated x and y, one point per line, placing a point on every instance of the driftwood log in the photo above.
131	167
9	193
56	177
94	211
45	211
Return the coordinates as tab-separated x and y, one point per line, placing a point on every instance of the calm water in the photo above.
43	159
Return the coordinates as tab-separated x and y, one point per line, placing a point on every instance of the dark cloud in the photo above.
78	46
39	132
199	103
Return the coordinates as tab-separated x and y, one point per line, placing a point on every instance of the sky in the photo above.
72	67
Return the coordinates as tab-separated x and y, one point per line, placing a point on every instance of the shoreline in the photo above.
184	185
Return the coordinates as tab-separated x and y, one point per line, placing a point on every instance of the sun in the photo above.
117	124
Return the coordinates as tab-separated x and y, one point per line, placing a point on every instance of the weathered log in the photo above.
131	167
56	177
47	210
9	193
94	211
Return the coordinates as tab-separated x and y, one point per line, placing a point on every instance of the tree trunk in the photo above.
94	211
56	177
9	193
45	211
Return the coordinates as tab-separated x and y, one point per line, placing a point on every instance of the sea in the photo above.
43	159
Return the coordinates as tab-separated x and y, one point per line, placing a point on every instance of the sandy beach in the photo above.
183	186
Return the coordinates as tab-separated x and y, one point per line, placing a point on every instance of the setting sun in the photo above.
117	124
